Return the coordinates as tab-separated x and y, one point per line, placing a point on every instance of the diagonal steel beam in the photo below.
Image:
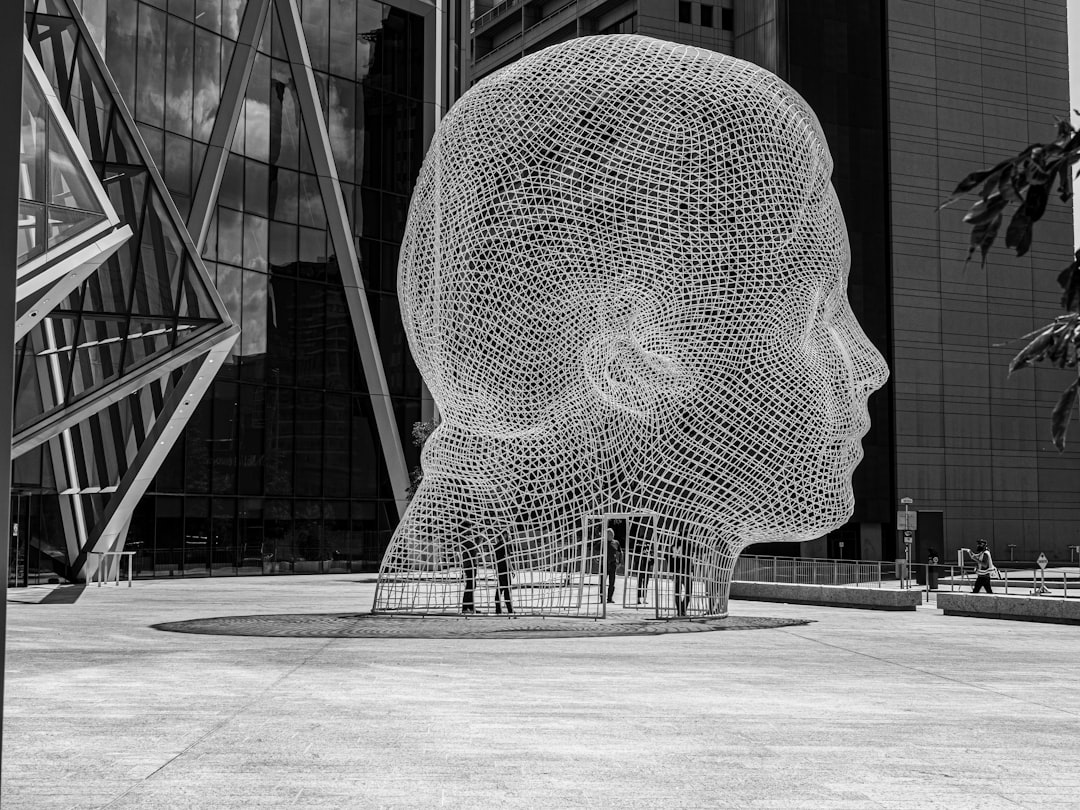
152	170
108	534
341	235
65	275
42	431
46	280
221	136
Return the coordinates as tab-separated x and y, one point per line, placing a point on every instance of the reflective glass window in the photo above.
253	331
179	77
207	83
121	38
208	14
223	536
309	442
255	242
336	446
223	426
33	142
251	420
150	84
280	440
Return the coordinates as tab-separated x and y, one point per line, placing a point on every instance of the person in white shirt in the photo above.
984	566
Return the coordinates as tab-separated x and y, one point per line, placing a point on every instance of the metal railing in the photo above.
494	13
1024	582
551	14
514	40
807	571
917	576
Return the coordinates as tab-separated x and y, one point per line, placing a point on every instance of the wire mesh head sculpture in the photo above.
624	280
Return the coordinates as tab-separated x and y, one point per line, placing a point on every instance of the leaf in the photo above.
985	210
1035	204
1064	191
1069	279
1035	350
1019	233
1059	419
1058	353
983	236
973	179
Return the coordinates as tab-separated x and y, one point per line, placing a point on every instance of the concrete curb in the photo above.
1015	608
829	595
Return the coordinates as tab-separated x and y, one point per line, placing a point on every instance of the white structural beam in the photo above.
40	432
108	534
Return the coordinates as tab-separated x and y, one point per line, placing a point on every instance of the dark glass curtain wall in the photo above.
280	468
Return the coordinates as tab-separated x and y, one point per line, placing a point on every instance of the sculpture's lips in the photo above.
862	427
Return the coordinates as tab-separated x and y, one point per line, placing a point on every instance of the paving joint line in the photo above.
220	724
927	672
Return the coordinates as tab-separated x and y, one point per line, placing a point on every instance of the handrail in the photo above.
100	574
547	17
807	570
510	41
495	12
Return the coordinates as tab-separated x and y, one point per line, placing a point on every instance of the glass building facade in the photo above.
297	215
280	469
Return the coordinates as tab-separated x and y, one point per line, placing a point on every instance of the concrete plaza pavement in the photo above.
859	709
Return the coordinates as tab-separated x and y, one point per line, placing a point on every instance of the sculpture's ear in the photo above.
627	376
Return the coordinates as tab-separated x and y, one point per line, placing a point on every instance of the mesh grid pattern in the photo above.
624	280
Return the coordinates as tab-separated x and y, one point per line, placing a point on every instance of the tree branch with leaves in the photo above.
1027	181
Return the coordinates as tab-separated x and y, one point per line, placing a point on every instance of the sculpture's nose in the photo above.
871	370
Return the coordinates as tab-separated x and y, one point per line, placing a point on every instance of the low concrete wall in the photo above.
832	595
1052	609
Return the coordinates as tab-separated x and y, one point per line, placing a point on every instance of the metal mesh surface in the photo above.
624	282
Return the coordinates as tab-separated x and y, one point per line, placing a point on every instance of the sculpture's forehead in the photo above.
678	112
612	75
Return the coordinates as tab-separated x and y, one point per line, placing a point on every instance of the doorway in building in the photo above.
36	550
844	543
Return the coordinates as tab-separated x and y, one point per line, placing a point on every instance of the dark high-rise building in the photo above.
211	369
912	96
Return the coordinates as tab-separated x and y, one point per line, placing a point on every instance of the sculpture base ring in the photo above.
368	625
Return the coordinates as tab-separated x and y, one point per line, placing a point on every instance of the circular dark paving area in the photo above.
367	625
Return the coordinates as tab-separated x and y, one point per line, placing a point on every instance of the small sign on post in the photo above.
1041	589
907	521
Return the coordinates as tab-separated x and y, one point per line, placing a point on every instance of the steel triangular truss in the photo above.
114	363
177	331
67	224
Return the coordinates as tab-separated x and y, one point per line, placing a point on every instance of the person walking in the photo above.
469	554
642	561
502	574
679	566
984	566
613	550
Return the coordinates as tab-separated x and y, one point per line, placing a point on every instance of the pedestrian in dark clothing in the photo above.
613	550
679	566
931	569
502	574
984	566
469	554
643	563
